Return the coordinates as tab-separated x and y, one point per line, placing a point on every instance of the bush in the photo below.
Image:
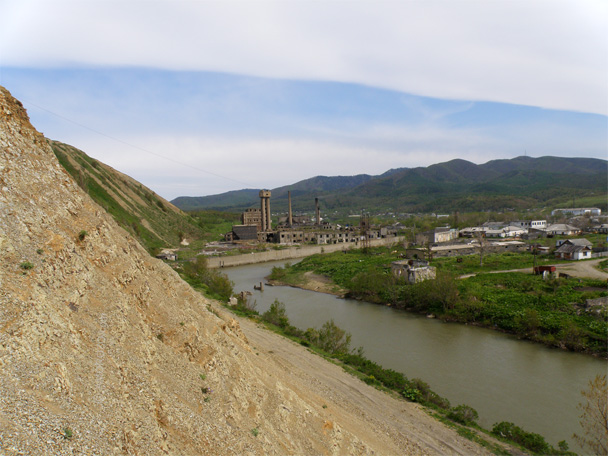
411	394
529	440
217	284
333	339
276	314
463	414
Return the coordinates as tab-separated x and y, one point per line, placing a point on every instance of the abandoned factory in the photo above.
256	225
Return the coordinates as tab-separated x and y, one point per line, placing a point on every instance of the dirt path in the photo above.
581	269
391	425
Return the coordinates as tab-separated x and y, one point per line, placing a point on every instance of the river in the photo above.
503	378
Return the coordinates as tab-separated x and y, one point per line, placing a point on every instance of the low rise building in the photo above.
436	236
578	211
562	229
506	232
570	250
413	271
527	224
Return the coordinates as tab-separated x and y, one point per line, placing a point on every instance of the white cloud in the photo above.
550	54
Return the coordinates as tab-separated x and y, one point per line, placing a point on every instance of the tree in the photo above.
594	419
333	339
482	245
276	314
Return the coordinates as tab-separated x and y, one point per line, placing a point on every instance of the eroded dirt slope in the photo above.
104	350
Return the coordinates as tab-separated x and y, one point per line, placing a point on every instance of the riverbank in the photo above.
313	282
395	426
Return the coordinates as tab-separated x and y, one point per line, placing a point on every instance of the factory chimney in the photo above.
317	211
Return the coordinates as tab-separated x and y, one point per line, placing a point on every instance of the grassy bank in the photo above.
553	312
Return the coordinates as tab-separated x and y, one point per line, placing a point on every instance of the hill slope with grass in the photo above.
155	222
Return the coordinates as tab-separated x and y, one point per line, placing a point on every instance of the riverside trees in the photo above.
594	418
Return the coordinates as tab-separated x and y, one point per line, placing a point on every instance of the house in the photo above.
573	251
573	242
602	229
506	232
473	231
493	225
535	224
563	229
413	271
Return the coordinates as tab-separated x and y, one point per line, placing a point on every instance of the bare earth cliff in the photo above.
105	350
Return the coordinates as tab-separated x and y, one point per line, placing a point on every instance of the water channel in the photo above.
503	378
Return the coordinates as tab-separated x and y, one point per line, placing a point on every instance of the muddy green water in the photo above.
503	378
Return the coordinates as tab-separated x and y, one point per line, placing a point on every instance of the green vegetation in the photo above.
529	440
153	221
26	265
458	185
255	432
211	282
552	311
82	235
67	433
594	417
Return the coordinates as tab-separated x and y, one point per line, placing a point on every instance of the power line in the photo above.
135	146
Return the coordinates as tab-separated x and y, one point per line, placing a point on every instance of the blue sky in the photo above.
201	97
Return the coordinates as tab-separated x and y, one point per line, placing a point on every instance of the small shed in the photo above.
168	256
413	271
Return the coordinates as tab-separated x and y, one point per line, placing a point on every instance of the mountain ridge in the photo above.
517	183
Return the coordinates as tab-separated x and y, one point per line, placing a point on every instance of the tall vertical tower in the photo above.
265	210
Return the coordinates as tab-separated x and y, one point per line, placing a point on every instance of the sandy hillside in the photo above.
104	350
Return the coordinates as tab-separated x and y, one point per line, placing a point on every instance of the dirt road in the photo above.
390	425
581	269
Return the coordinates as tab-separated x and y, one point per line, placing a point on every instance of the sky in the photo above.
196	97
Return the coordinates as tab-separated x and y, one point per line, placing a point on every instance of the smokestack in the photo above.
290	218
265	210
318	212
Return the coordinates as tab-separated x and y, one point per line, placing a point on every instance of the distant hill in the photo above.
518	183
156	222
234	200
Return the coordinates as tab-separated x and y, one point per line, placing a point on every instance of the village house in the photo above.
506	232
473	231
574	249
602	229
528	224
562	229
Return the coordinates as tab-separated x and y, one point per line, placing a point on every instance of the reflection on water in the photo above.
504	379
